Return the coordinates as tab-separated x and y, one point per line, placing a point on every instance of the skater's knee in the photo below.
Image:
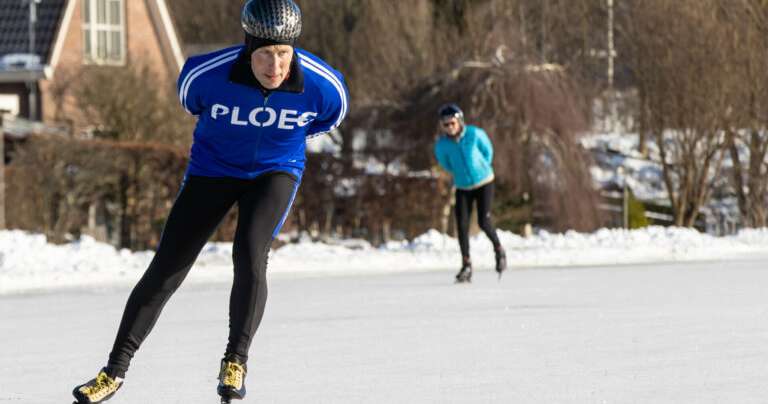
255	275
486	227
156	288
486	224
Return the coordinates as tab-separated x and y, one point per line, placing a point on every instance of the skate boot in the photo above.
465	273
231	379
501	261
97	390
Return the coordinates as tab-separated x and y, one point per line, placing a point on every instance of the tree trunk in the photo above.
125	220
738	178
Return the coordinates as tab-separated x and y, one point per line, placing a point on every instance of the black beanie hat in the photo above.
252	43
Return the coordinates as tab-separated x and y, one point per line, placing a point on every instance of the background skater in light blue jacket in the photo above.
466	153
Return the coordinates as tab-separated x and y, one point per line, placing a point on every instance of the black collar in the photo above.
241	73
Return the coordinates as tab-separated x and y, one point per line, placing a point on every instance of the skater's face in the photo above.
272	64
451	126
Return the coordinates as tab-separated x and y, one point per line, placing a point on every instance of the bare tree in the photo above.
749	19
122	103
207	22
533	113
680	57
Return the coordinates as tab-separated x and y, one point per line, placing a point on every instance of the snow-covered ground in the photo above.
663	333
29	263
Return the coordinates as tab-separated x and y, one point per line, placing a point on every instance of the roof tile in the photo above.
14	26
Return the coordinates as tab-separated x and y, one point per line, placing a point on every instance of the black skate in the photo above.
97	390
501	261
231	380
465	273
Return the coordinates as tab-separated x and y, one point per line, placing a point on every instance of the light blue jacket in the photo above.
468	159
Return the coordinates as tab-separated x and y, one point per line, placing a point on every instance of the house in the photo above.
71	34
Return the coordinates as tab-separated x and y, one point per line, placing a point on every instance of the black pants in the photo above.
464	200
202	203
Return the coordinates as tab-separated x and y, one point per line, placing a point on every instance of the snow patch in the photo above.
28	262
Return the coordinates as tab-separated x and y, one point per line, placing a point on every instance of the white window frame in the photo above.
92	28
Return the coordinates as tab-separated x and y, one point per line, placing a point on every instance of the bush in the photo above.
57	186
637	217
121	192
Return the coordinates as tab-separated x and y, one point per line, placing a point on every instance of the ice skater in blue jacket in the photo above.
467	154
256	104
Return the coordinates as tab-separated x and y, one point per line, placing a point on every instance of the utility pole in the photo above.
612	98
32	84
611	49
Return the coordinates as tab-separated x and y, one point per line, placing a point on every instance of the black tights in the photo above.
202	203
464	201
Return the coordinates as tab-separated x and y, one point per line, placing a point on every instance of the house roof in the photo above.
51	14
14	26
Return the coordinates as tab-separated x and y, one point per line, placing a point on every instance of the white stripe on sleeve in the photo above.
202	68
323	72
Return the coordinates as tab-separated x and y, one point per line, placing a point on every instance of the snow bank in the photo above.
28	262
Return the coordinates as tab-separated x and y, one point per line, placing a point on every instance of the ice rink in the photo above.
667	333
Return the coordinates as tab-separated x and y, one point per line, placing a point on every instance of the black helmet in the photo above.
272	21
450	111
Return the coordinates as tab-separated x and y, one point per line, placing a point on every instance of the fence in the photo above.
615	204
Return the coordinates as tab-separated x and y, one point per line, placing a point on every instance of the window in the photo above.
10	103
104	31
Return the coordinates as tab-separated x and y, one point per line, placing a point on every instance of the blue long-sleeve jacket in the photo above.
244	130
469	158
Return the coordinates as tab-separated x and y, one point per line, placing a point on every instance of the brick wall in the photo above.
143	46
